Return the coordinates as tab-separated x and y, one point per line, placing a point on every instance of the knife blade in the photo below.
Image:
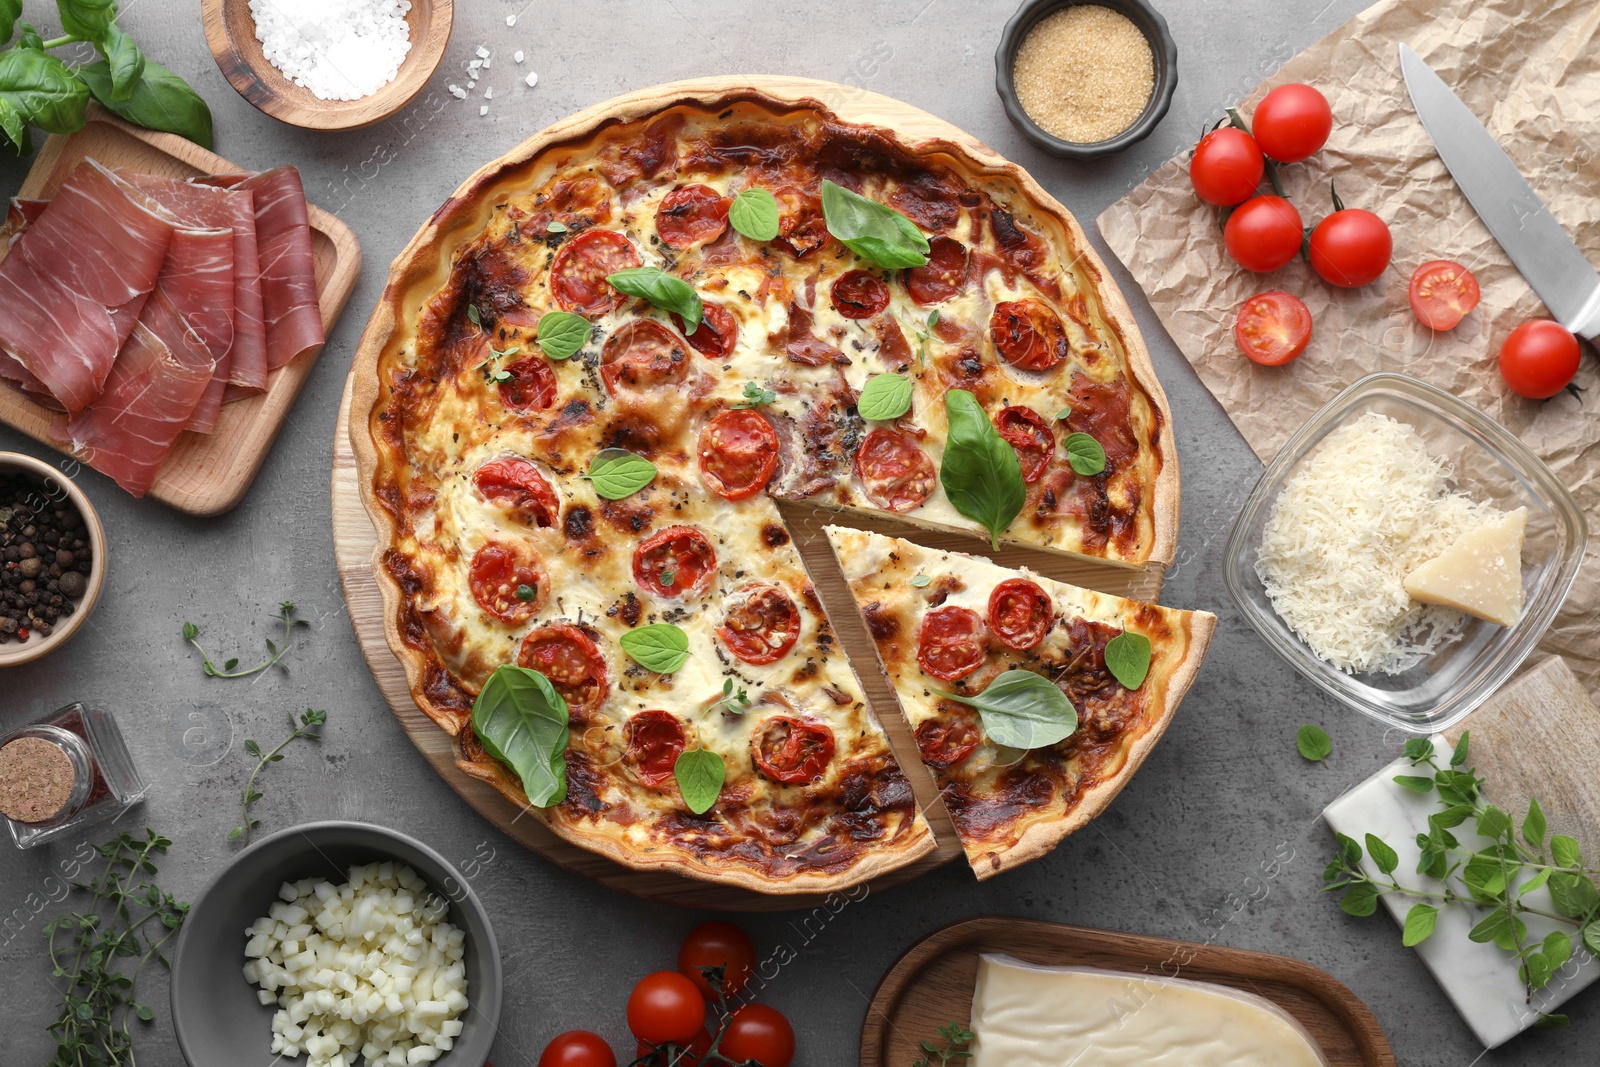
1555	267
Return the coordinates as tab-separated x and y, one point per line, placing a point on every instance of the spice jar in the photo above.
65	772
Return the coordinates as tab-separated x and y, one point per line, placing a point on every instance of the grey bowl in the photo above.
214	1010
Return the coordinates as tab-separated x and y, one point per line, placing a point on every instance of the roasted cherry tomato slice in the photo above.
654	740
717	334
792	751
666	1006
689	1055
859	294
531	387
738	453
677	561
949	739
643	355
692	215
760	1033
761	623
578	275
577	1048
516	485
1226	166
1028	334
1273	328
1020	613
895	474
1025	430
718	944
802	229
1351	248
507	581
1442	293
573	663
950	643
943	276
1292	122
1263	233
1539	359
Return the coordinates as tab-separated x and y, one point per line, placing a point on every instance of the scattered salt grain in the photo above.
511	20
484	110
472	85
338	49
458	92
486	64
488	94
482	52
518	55
532	79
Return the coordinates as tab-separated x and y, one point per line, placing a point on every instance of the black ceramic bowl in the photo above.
215	1011
1162	46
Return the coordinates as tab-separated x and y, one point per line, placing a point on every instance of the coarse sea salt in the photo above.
338	49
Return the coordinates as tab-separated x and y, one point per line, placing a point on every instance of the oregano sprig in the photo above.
955	1036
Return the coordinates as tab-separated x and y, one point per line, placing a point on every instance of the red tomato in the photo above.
1025	430
1351	248
531	387
738	453
757	1032
1263	233
717	334
718	944
950	643
792	751
692	215
1442	292
943	276
516	485
802	228
498	575
1227	166
949	739
666	1007
687	1056
643	354
577	1048
578	274
895	474
1028	334
573	663
677	561
1273	328
761	624
1292	122
1539	359
654	741
859	294
1020	613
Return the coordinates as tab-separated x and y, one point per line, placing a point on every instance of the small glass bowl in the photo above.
1489	465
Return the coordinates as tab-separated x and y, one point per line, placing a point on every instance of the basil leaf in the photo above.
660	647
666	291
522	722
42	90
1313	742
88	19
124	59
10	12
1023	710
1085	454
980	472
871	230
1128	658
561	333
754	213
1420	921
29	38
886	396
617	473
160	101
15	128
700	774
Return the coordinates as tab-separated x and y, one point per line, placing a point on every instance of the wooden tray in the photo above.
932	984
204	474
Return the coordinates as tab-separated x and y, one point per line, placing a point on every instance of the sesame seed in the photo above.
1084	73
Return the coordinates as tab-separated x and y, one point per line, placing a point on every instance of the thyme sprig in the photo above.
191	634
309	726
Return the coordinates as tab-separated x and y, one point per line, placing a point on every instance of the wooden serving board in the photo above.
204	474
932	984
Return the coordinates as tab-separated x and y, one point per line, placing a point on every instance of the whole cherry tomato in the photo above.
1351	247
1263	233
1227	166
1273	328
577	1048
666	1006
1539	359
757	1032
1442	293
718	944
1292	122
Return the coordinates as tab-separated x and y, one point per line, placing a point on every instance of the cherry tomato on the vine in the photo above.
1263	233
718	944
1539	359
689	1054
1351	247
666	1006
577	1048
1273	328
1442	292
757	1032
1227	166
1292	122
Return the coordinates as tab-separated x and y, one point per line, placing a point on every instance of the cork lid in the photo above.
36	780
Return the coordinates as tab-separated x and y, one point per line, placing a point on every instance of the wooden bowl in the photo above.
56	485
231	33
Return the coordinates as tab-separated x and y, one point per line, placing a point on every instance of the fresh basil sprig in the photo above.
871	230
522	722
660	647
616	473
980	472
886	396
1128	658
562	334
666	291
1023	710
1085	454
754	213
700	773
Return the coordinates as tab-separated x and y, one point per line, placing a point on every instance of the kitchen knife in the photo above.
1535	241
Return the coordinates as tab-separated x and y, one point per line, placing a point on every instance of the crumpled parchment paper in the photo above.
1531	72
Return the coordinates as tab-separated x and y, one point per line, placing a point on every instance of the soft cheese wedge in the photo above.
1480	574
1025	1015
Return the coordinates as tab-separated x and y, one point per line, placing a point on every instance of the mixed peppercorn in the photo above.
44	559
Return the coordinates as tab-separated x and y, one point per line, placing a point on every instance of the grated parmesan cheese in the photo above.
1362	512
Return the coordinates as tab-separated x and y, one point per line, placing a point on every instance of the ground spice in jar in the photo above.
36	780
1084	73
44	559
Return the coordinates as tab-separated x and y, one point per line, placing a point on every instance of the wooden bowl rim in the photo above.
28	651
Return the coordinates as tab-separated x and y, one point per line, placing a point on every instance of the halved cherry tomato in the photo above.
515	484
717	333
1351	248
718	944
760	1033
738	453
943	276
654	740
498	575
665	1006
577	1048
1029	334
792	751
1263	233
677	561
1539	359
692	215
1273	328
578	274
949	739
802	228
895	474
689	1055
572	662
1227	166
1020	613
1025	430
859	294
761	624
643	355
531	387
950	643
1442	292
1292	122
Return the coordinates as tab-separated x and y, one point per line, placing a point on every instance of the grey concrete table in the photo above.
1182	852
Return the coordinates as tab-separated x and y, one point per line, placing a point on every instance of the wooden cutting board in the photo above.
932	984
204	474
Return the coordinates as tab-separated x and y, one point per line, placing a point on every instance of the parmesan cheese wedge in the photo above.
1026	1015
1480	574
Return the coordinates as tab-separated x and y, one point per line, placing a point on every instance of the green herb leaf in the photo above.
920	581
562	334
1565	851
1023	710
474	316
666	291
1459	756
754	213
10	11
522	722
660	647
1591	937
1537	881
1085	454
124	60
617	473
1573	894
42	90
1384	857
886	396
1558	949
1064	414
1493	822
1494	925
755	396
980	472
871	230
1313	742
1128	658
556	226
15	129
1415	783
87	19
700	774
1534	826
527	593
159	101
1420	921
1360	900
1419	750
